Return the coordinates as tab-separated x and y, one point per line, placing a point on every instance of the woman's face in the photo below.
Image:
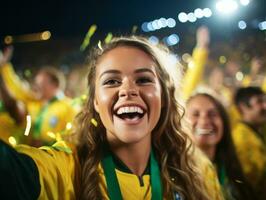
207	124
127	95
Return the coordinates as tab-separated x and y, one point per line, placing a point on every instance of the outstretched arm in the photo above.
19	89
19	175
194	73
17	111
38	173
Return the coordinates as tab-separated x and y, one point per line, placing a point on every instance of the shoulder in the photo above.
58	168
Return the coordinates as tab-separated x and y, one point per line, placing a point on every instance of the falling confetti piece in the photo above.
108	38
88	36
28	126
94	122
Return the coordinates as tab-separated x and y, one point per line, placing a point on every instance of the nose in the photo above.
128	90
204	121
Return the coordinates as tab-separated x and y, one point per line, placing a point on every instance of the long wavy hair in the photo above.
171	144
225	155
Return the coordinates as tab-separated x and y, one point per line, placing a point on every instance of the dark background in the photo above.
69	20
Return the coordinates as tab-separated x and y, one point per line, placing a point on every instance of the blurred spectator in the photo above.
212	133
46	103
248	136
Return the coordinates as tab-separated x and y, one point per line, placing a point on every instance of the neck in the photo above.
134	156
209	151
49	97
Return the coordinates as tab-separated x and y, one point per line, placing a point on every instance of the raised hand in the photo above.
203	37
6	55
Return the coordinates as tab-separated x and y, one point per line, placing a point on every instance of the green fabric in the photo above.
2	107
39	120
222	175
19	175
113	188
122	167
111	178
156	185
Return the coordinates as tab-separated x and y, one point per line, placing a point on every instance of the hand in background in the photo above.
6	55
203	37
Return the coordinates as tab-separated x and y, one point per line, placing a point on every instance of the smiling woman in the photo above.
136	150
212	133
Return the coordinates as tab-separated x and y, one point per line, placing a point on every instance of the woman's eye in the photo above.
111	82
195	114
144	80
213	114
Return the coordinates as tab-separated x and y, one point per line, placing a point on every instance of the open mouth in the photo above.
202	131
130	113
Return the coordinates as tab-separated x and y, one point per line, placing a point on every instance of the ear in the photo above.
96	107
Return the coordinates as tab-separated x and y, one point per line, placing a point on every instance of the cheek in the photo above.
103	97
154	94
104	101
154	100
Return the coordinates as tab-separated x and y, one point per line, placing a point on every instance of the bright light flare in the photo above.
244	2
226	6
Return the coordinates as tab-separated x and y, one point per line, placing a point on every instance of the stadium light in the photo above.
226	6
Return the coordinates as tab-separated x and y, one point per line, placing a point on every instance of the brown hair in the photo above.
171	144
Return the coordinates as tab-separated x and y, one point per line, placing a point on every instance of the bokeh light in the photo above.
242	25
153	40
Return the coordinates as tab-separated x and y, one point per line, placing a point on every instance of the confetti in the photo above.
88	36
28	126
94	122
12	141
108	38
134	29
100	45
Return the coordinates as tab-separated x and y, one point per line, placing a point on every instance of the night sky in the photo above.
74	17
69	20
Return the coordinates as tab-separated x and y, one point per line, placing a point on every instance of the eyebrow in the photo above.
140	70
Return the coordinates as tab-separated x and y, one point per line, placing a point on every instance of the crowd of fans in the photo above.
223	102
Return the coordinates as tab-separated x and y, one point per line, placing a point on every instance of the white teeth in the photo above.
202	131
129	109
139	110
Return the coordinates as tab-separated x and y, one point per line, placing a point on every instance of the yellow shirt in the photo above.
251	153
59	175
54	117
8	128
194	73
